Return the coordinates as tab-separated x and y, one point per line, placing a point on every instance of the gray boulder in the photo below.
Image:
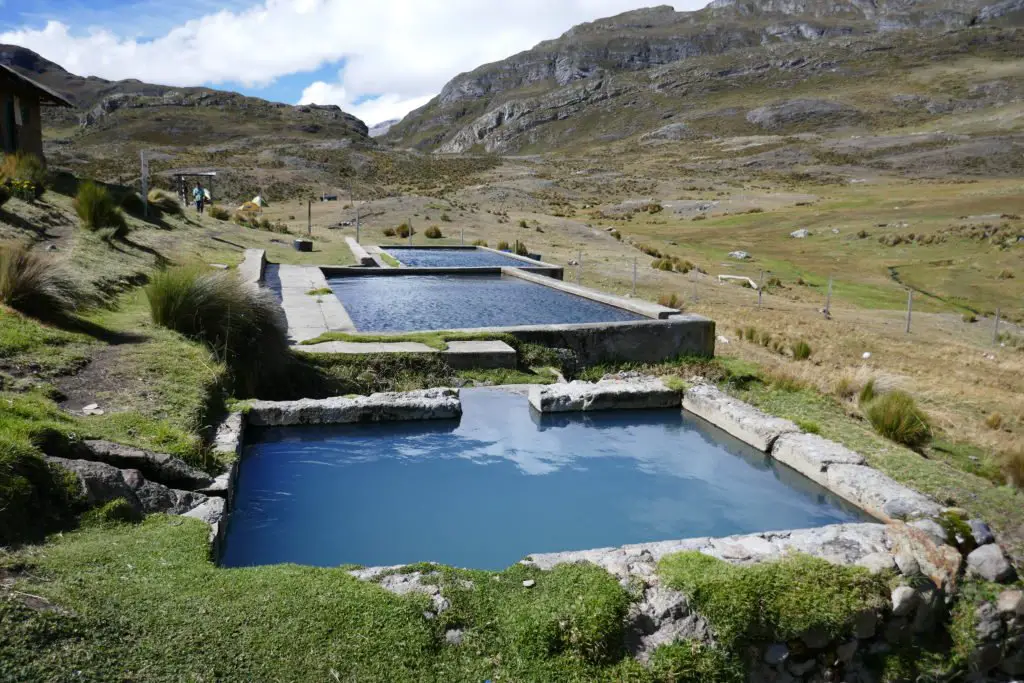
981	532
663	616
988	562
158	467
430	404
800	234
802	112
671	133
904	600
603	395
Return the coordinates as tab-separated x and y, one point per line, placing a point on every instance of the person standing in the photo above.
199	197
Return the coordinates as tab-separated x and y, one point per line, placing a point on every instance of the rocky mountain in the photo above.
382	128
171	110
502	107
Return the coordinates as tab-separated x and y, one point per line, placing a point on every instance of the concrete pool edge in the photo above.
550	269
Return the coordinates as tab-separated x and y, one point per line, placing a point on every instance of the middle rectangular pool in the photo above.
504	481
403	303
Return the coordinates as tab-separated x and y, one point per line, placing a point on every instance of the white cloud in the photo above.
403	51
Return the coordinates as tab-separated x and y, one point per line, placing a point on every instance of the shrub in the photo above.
97	208
994	421
479	243
165	201
670	300
895	416
523	223
653	208
1012	465
26	174
503	246
445	218
34	285
219	213
867	393
433	233
801	350
1006	274
404	230
390	232
242	325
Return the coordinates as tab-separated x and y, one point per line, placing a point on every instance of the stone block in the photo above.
879	494
743	421
603	395
811	455
430	404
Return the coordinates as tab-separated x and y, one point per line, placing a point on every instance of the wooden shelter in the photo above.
21	102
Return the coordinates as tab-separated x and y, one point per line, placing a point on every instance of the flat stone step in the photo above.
461	355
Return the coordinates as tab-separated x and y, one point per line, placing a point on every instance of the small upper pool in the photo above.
438	257
502	482
403	303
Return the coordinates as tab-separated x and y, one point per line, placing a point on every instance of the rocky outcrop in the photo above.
802	113
430	404
673	132
101	483
158	467
604	395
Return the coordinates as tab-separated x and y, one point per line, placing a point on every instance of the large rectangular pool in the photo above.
402	303
502	482
439	257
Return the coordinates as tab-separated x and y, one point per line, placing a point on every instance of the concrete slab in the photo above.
644	308
360	254
252	266
360	348
310	316
466	355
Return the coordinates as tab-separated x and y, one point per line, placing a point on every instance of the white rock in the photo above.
745	422
989	563
723	340
876	563
91	406
867	355
529	583
800	234
603	395
739	255
1011	603
904	600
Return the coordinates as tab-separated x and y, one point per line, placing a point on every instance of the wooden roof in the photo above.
46	96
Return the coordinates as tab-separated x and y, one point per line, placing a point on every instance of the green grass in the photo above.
25	342
774	601
147	603
323	291
506	376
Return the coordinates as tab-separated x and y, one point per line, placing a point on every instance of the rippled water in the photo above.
453	258
505	482
402	303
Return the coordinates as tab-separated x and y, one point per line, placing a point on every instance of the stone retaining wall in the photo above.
252	266
362	256
430	404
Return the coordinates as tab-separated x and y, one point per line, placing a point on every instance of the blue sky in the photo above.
377	60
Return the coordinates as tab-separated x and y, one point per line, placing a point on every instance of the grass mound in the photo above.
895	416
98	210
242	325
774	601
165	201
220	213
35	286
801	350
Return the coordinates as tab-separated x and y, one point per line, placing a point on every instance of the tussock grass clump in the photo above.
895	416
390	232
503	246
479	243
165	201
994	421
801	350
774	601
403	231
1006	274
133	204
220	213
26	171
242	325
783	381
445	218
98	210
433	233
867	393
36	286
1012	465
670	300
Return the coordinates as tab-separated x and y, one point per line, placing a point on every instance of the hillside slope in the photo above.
620	62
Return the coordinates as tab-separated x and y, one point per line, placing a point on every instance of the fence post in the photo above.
910	307
828	300
309	217
995	333
579	264
410	231
760	291
634	276
462	238
693	277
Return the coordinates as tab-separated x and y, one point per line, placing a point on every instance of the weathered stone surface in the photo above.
988	562
101	483
158	467
879	494
846	651
228	439
801	112
776	654
934	530
815	638
210	511
745	422
1011	603
907	564
603	395
930	610
811	455
430	404
904	601
981	532
661	617
940	563
988	624
670	133
876	563
220	486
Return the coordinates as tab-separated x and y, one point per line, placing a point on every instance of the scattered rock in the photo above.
866	355
529	583
670	133
453	636
1011	603
864	624
846	651
933	529
988	624
92	409
210	511
907	564
723	340
800	234
816	638
981	532
930	608
876	563
803	668
739	255
989	563
159	467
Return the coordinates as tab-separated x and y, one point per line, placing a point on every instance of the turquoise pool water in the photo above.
504	482
418	257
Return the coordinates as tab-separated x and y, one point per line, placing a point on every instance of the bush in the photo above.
165	201
670	300
895	416
479	243
390	232
801	350
433	233
243	325
994	421
35	286
25	173
133	204
404	230
503	246
219	213
1012	465
98	210
445	218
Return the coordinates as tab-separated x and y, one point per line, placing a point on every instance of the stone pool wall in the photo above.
927	559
